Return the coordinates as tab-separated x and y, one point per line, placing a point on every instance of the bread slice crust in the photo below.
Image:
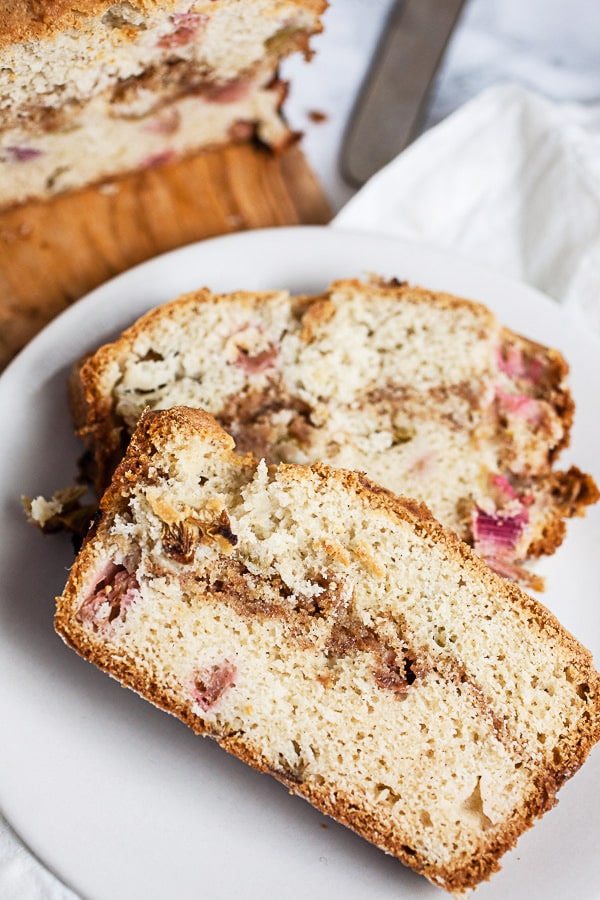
33	20
470	682
478	444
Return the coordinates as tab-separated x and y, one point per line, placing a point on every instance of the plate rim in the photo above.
38	346
443	254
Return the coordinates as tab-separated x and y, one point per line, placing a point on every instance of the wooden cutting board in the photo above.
51	254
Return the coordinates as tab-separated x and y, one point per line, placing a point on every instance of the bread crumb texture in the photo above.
425	392
138	84
336	636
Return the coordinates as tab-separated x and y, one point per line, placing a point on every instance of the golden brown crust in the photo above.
34	20
572	492
159	423
138	461
79	396
545	784
416	293
552	383
318	313
95	419
183	424
96	424
155	424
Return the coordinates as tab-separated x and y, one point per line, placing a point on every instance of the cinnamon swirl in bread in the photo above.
426	393
333	635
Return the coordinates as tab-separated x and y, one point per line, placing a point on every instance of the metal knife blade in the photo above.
387	113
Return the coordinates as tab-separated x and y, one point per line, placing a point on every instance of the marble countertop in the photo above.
549	46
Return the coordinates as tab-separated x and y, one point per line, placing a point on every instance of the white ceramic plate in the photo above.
121	800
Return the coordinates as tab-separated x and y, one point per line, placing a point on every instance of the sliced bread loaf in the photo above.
334	635
426	393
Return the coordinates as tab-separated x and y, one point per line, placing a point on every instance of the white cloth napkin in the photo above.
510	179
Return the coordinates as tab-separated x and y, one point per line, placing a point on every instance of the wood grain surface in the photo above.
51	254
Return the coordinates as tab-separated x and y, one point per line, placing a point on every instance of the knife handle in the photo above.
388	111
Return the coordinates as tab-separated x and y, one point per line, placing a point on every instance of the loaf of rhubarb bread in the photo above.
96	89
426	393
334	635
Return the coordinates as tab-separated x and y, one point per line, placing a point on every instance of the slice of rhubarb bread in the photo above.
332	634
98	89
426	393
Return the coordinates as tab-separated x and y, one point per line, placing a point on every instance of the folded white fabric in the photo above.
512	180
